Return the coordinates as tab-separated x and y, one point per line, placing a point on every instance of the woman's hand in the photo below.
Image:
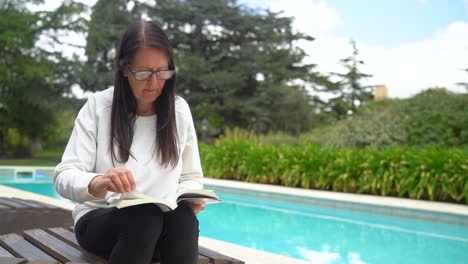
197	208
119	180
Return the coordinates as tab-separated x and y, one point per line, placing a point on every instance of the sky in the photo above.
407	45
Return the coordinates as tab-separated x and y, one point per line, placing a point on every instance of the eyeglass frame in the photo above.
151	75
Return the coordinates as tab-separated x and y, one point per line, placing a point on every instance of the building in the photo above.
381	92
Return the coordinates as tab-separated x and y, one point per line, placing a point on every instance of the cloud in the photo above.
310	17
409	68
405	69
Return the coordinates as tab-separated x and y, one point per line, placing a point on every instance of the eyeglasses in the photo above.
144	75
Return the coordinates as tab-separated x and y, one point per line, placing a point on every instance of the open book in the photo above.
136	198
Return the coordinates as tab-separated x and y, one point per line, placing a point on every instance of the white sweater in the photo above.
88	154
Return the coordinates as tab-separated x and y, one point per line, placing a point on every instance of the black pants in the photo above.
140	234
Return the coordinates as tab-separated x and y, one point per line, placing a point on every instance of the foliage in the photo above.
428	173
437	117
109	19
433	117
464	84
33	78
348	92
29	162
377	125
13	143
235	66
59	135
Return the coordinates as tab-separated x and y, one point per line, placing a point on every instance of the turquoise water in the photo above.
319	234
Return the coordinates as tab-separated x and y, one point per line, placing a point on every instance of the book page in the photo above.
136	198
199	196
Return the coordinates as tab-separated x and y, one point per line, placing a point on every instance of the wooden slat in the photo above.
38	204
8	221
217	258
27	203
11	260
43	262
4	253
18	246
203	260
58	248
65	235
5	207
69	237
11	203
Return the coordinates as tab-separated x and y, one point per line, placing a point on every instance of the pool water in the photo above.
320	234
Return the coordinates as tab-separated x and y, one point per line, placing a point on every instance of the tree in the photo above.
433	117
464	84
33	78
436	116
237	67
349	93
109	19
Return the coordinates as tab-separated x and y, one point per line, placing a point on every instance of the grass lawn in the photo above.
29	162
44	158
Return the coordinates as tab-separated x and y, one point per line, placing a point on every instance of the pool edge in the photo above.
416	209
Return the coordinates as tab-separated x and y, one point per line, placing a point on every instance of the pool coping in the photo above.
404	207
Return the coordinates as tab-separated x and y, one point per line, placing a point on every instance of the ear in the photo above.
125	73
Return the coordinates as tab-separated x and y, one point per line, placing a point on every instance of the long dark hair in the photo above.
139	35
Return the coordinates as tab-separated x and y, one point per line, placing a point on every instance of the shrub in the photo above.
437	117
430	173
434	117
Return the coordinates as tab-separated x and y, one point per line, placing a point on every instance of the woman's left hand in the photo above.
197	208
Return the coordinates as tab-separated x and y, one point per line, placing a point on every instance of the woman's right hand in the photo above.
118	180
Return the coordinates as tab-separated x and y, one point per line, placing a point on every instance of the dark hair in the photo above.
139	35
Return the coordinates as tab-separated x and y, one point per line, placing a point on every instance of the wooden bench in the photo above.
17	215
42	243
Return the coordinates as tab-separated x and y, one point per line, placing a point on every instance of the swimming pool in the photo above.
318	234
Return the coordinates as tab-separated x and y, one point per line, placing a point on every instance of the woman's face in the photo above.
147	91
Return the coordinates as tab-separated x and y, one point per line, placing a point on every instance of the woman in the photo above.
140	136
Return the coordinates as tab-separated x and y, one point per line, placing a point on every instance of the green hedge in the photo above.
434	117
429	173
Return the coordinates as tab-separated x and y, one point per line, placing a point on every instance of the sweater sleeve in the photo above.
192	172
74	173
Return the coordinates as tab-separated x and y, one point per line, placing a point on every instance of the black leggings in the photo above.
140	234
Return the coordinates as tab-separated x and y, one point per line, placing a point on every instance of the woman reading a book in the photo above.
137	136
